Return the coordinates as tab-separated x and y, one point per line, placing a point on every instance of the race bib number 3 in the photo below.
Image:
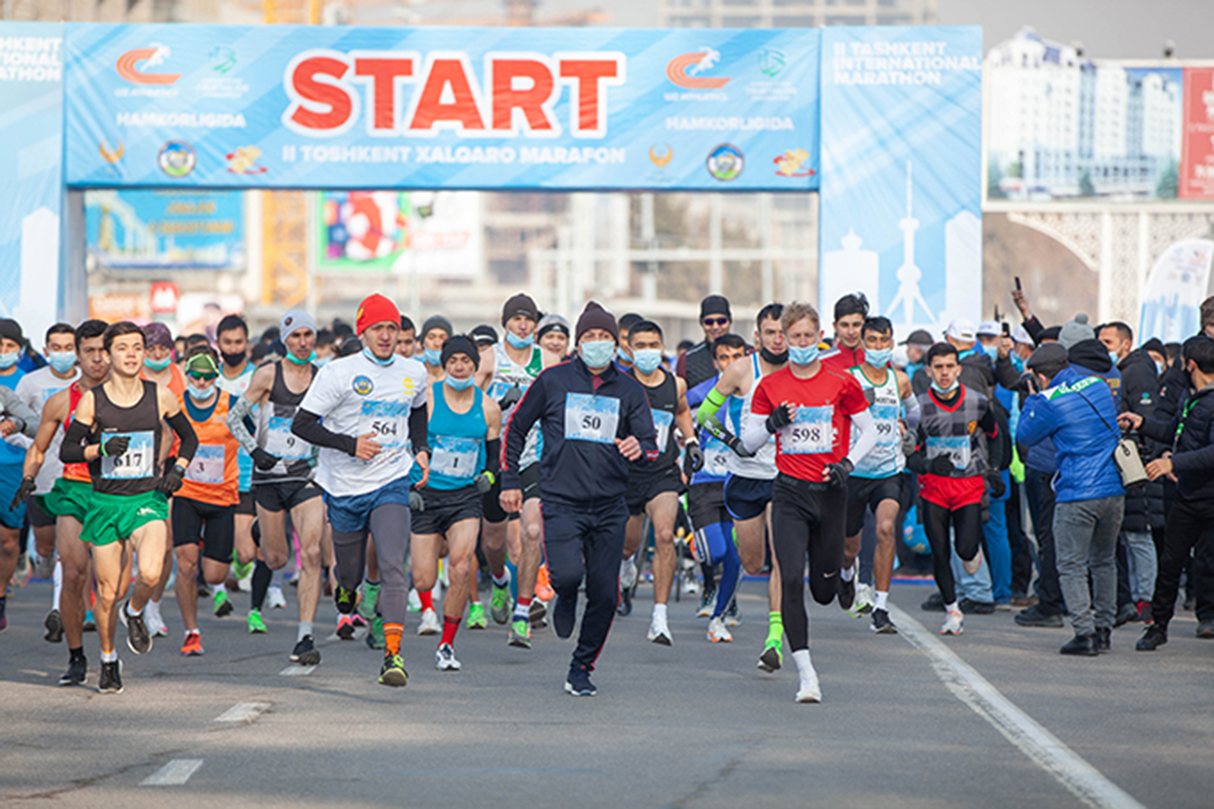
662	421
207	465
956	447
139	460
591	418
455	457
280	441
811	432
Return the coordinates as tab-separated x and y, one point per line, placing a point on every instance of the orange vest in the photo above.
177	386
74	471
213	476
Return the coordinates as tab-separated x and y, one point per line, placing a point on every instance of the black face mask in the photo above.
232	360
774	359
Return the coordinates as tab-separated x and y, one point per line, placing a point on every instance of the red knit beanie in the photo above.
375	309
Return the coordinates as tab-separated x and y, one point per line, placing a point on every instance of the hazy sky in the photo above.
1108	28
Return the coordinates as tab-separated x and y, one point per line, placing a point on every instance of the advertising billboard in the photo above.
1197	165
149	229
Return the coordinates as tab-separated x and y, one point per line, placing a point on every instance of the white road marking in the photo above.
297	671
175	773
1042	747
243	712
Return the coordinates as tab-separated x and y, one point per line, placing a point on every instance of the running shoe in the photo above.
375	634
971	607
54	627
933	603
733	616
537	615
578	683
707	600
952	624
973	565
275	600
44	566
1104	639
810	691
346	600
476	616
717	633
881	624
111	678
415	602
223	604
392	672
345	627
193	644
305	653
543	585
660	633
242	571
564	616
90	623
847	594
444	658
772	657
1155	636
1035	616
520	634
152	617
864	600
77	671
256	625
430	624
21	575
501	604
628	574
624	607
1126	613
369	602
137	635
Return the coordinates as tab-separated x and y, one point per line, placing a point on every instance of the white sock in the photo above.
305	628
848	573
659	612
133	613
58	579
805	666
109	657
151	608
220	588
882	598
952	607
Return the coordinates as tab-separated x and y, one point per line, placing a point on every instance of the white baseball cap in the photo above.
1021	335
990	328
962	329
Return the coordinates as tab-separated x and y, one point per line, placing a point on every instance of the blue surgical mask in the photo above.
949	391
597	353
520	342
291	357
1160	367
1113	356
459	384
992	352
434	356
622	355
367	353
9	360
878	358
155	365
647	360
200	394
61	361
321	362
803	355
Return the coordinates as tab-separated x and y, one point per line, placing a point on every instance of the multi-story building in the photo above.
794	13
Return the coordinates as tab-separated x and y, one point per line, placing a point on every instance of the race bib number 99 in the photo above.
139	460
886	417
591	418
956	447
811	432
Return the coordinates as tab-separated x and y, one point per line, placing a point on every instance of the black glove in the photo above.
264	460
738	447
693	458
484	482
115	446
171	482
510	398
995	481
836	473
415	500
942	465
23	491
780	418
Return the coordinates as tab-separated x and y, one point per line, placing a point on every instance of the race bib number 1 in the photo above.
591	418
139	460
455	457
811	432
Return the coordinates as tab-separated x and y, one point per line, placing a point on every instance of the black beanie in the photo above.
715	305
459	344
596	317
12	330
520	304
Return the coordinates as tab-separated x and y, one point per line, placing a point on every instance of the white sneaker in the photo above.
973	565
810	690
430	624
628	574
154	621
952	624
717	633
660	633
863	604
44	566
415	603
275	600
444	657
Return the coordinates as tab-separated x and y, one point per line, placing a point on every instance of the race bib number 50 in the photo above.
591	418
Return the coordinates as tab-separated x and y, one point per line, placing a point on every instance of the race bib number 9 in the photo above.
956	447
207	465
386	420
591	418
811	432
662	421
455	457
139	460
280	441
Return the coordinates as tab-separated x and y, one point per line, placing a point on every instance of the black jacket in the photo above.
1191	435
696	364
577	474
1144	505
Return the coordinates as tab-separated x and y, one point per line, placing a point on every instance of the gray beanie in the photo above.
436	322
1076	331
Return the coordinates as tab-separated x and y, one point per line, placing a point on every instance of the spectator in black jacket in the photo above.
696	364
1191	460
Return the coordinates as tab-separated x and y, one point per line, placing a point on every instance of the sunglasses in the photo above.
715	321
201	377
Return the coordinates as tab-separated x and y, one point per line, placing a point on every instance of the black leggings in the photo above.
389	525
806	519
967	527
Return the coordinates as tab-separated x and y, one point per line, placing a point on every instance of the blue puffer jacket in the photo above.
1084	441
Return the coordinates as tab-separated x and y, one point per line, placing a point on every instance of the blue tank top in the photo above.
457	442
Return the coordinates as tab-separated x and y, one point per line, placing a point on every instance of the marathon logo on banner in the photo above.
476	108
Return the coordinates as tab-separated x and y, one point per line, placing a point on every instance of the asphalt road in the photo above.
998	718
